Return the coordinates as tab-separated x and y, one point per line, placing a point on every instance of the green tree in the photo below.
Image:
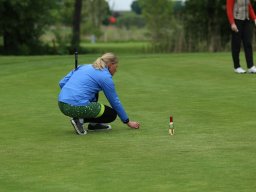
159	20
129	20
87	19
66	12
136	8
206	25
95	12
22	22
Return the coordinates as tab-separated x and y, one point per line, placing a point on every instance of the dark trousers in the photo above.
243	35
108	116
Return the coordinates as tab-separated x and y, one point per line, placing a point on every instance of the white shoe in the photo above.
240	70
252	69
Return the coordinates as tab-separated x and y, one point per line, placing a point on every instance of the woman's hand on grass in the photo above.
133	124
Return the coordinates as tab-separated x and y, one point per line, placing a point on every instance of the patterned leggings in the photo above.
94	112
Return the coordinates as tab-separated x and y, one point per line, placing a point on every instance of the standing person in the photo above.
78	97
239	13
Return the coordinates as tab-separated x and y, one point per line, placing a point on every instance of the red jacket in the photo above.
230	9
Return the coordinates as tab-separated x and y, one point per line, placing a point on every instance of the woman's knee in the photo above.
111	113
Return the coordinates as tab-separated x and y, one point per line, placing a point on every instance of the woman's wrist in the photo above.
126	121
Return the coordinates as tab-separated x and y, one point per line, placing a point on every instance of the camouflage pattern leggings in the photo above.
93	110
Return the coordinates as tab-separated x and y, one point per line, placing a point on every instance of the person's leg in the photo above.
88	111
95	113
78	113
247	43
98	123
236	44
108	115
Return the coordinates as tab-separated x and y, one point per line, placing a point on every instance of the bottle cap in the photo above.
171	119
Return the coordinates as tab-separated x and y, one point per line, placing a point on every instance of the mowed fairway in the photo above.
214	110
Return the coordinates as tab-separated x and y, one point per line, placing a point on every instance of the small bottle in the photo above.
171	126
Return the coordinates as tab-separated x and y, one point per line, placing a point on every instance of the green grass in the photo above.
214	115
117	47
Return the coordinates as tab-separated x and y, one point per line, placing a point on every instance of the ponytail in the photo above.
104	60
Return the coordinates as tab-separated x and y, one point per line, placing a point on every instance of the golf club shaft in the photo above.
76	58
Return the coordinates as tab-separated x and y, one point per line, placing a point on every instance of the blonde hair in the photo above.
104	60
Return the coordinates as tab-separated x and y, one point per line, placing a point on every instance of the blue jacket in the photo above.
80	87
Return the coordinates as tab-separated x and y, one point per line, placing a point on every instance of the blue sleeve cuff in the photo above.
126	121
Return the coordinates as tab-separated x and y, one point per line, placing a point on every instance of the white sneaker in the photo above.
252	69
240	70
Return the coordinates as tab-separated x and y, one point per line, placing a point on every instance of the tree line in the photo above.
23	22
173	26
187	26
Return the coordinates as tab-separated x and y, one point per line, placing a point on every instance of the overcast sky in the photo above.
120	5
